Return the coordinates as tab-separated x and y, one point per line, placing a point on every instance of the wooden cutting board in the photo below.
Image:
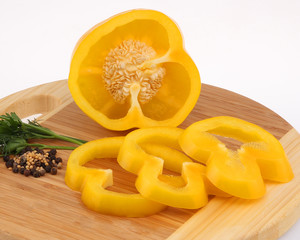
45	208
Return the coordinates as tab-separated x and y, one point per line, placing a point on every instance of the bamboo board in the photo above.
45	208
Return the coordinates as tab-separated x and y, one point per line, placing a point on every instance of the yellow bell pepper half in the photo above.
150	182
239	173
132	71
92	182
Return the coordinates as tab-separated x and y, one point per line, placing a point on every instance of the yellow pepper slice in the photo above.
149	168
92	182
236	174
240	172
191	196
173	161
198	143
132	156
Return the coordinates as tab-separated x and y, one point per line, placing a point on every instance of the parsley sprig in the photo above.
14	135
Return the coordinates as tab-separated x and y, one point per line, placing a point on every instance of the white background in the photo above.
249	47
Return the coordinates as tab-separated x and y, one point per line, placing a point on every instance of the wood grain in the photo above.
45	208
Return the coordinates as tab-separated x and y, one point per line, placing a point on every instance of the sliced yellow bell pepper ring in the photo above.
173	161
240	172
92	182
132	155
236	174
191	196
149	169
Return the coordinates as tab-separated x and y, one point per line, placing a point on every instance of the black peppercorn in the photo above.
53	171
15	169
52	152
15	164
41	151
58	160
28	149
36	174
23	161
6	158
26	172
42	171
22	152
32	170
48	168
22	169
50	163
9	163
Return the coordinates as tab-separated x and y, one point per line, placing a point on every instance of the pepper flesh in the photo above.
92	182
148	167
239	173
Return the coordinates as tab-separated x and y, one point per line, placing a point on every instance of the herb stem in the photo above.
47	133
50	146
68	139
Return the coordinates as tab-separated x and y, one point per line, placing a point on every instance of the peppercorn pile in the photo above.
34	162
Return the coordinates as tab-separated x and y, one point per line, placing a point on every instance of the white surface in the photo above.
249	47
